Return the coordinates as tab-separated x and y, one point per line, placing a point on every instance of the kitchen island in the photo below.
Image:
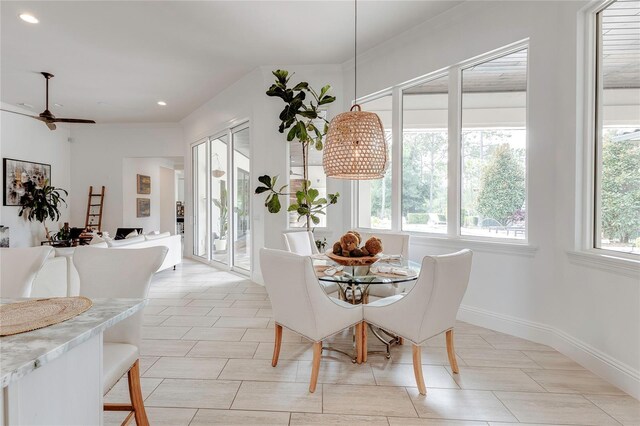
53	375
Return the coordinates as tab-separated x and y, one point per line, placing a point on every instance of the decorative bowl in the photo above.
352	261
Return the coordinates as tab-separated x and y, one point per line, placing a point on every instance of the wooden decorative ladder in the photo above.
95	202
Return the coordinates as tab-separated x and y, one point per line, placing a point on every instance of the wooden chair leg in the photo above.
365	336
359	328
276	345
315	369
451	352
135	393
417	369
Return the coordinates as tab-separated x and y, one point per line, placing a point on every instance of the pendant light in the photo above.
355	146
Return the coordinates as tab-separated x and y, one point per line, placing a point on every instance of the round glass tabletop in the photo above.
387	270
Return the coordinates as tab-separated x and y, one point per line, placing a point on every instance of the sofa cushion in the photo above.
158	236
125	242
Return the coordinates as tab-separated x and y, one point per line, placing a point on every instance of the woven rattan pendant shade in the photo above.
355	147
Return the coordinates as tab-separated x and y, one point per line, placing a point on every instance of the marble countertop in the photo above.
22	353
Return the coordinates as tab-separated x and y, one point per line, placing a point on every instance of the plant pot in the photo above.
219	244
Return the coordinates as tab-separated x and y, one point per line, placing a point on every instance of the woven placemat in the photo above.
20	317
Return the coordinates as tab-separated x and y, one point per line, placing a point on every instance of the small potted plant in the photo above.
41	203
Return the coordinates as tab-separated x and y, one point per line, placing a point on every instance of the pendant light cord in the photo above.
355	52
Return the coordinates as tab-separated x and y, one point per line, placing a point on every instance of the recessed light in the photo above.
162	103
25	105
29	18
58	105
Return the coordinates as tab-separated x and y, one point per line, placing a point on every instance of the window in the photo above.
296	177
617	165
374	196
425	148
461	168
493	188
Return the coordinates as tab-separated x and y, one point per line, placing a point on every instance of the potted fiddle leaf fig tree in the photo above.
302	117
41	203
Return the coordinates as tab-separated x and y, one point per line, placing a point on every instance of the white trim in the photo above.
495	54
454	138
616	372
396	159
608	263
497	247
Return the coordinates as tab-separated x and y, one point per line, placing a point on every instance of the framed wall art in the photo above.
143	207
144	184
19	172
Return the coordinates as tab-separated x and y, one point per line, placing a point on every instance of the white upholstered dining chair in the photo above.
304	244
120	273
392	244
300	242
428	309
19	268
300	305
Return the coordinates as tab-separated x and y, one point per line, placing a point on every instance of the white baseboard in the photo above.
605	366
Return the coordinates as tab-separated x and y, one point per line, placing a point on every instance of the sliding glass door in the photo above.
241	194
222	198
219	199
200	200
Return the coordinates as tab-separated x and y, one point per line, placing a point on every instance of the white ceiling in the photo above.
114	60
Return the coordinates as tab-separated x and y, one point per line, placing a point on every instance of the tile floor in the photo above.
208	340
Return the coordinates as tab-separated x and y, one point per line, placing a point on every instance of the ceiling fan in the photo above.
46	116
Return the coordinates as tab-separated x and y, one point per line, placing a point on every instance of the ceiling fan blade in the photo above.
72	120
20	113
50	125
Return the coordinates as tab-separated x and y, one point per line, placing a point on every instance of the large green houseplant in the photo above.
306	125
41	203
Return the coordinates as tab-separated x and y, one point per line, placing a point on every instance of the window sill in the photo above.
606	262
498	247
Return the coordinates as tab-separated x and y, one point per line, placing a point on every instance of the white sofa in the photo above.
58	276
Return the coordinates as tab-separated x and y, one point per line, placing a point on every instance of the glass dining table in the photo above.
354	284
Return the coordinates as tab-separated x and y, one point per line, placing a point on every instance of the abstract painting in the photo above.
144	184
143	207
17	173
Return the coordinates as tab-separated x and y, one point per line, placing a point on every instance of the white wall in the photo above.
97	158
536	292
24	138
162	195
244	100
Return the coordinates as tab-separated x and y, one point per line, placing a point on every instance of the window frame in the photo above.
444	72
454	166
355	184
589	227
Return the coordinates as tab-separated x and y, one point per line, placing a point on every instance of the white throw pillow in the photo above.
158	236
153	233
132	234
96	240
